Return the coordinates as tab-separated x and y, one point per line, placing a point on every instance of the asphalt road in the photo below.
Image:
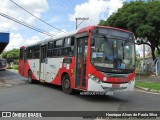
22	96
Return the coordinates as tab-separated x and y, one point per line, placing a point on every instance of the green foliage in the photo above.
140	17
9	67
137	59
150	85
11	55
156	53
15	67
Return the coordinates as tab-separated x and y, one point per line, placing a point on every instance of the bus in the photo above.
92	59
2	64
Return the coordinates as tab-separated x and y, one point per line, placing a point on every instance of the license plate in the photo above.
115	85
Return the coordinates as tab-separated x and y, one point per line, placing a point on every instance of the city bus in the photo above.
2	64
92	59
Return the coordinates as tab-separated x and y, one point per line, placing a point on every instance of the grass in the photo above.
15	67
150	85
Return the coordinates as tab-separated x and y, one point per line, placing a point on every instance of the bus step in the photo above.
42	81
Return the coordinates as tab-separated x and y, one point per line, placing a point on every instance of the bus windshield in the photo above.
112	53
2	63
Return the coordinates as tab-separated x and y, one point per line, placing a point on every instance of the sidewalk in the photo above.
148	79
10	78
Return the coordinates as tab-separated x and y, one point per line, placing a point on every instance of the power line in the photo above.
36	16
25	24
61	3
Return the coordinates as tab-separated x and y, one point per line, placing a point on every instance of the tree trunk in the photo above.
158	50
153	54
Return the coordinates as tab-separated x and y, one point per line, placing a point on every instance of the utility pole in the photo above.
144	64
83	19
144	52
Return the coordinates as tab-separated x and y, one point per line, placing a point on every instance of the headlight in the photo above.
94	78
131	81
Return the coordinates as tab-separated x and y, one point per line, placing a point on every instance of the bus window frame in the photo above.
62	48
21	53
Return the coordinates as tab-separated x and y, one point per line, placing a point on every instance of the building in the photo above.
4	40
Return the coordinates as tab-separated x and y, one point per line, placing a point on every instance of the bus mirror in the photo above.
92	41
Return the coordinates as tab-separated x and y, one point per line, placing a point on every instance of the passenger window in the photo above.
67	42
50	45
58	43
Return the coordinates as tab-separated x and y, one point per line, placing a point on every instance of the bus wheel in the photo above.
30	80
66	84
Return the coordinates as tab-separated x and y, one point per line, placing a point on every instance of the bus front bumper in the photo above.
107	87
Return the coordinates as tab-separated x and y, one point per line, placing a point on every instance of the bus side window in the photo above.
68	46
21	54
58	43
25	55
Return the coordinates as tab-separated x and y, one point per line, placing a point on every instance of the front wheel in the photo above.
66	84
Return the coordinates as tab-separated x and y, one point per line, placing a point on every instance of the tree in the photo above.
138	61
149	52
142	18
11	55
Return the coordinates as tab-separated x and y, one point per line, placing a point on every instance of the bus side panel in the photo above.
20	67
65	68
34	66
57	79
72	72
52	68
27	68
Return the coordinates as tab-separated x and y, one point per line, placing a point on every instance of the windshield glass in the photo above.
112	53
2	62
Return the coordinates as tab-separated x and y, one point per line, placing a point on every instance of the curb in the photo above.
147	89
12	70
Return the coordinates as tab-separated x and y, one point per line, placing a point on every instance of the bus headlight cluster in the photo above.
131	81
97	80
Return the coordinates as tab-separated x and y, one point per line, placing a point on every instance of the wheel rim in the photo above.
66	84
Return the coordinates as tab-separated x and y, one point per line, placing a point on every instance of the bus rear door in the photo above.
43	62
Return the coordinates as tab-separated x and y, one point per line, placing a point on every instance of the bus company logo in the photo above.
21	114
6	114
53	66
34	65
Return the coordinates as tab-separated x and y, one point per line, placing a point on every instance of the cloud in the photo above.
91	9
17	40
54	32
95	10
54	19
113	6
36	7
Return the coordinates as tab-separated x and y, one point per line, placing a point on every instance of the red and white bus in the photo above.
94	58
2	64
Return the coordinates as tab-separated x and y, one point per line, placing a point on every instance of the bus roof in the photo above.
43	42
85	29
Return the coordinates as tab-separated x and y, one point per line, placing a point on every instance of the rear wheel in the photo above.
30	80
66	84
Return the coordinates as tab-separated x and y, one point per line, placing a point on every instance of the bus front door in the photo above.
81	52
43	62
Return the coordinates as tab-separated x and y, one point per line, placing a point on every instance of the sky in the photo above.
58	13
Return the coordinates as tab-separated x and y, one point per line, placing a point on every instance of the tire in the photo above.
66	84
30	80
